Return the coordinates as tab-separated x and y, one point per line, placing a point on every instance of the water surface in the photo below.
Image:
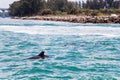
77	51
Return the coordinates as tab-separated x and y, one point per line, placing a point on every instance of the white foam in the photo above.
57	30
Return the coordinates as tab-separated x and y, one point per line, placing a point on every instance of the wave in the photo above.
60	30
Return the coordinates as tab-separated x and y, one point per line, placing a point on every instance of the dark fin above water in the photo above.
39	56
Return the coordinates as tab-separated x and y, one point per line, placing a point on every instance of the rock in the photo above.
77	19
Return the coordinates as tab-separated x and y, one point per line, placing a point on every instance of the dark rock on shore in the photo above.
76	19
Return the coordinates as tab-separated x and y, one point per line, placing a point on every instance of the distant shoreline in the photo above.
75	18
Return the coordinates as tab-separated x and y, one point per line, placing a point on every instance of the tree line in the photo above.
100	4
45	7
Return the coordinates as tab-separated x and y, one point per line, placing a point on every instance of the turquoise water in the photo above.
77	51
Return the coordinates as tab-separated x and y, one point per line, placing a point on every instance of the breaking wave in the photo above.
60	30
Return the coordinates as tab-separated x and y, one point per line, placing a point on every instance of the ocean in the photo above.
76	51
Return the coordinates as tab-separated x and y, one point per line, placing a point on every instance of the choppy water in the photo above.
77	51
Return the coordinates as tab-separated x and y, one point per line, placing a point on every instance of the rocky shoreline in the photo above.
75	19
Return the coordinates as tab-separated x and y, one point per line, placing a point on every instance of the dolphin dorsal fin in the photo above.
41	54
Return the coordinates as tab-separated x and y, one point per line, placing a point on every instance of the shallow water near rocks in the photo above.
77	51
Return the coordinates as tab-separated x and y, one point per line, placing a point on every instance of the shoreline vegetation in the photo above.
89	11
75	18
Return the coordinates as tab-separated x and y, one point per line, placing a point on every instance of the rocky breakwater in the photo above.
76	19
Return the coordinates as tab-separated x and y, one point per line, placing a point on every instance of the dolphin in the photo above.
39	56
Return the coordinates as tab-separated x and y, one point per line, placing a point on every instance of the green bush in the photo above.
46	12
74	11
